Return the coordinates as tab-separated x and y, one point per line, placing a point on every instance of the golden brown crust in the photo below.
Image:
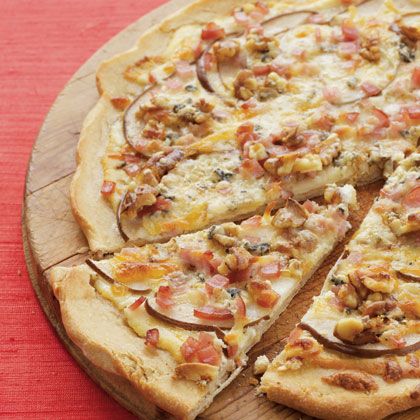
304	390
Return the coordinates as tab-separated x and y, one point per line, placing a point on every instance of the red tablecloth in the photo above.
42	43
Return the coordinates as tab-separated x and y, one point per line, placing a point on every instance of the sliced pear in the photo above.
285	21
323	331
104	269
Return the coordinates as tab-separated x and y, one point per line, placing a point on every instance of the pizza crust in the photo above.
303	390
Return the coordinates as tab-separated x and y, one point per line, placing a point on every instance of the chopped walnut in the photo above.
292	215
348	295
238	259
225	235
352	381
226	50
370	48
245	85
288	136
257	43
329	149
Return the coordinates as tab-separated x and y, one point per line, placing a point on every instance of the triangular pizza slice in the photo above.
177	319
356	352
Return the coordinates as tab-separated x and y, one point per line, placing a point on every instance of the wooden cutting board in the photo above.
52	237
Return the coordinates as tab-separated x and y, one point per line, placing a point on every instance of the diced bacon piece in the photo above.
245	133
370	89
251	168
207	353
199	259
240	276
184	69
414	112
108	187
415	78
267	298
412	199
331	94
262	8
232	350
253	222
317	19
213	314
261	70
318	35
152	337
249	104
164	297
137	303
325	122
294	336
241	18
309	206
161	204
212	32
240	307
350	33
216	282
189	348
271	270
347	49
173	83
351	117
383	120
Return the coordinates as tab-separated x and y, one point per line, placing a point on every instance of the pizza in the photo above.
228	106
357	350
177	319
196	170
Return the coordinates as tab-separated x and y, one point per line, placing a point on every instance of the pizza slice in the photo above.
357	350
177	319
257	103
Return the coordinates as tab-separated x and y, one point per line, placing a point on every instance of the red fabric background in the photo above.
42	43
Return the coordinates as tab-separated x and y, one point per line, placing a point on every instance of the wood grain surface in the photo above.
52	237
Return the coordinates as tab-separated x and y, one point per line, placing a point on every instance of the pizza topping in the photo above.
212	313
370	89
152	338
137	303
164	297
237	260
201	349
292	215
352	381
216	282
212	32
108	187
415	78
370	48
